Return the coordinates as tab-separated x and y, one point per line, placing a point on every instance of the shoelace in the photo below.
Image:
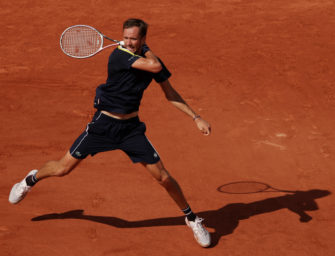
198	228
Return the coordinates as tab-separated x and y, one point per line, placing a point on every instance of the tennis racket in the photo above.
83	41
249	187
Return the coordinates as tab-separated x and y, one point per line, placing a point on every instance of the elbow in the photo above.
156	67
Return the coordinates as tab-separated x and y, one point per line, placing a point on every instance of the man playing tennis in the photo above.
116	124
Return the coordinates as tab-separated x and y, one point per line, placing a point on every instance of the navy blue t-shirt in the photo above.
123	90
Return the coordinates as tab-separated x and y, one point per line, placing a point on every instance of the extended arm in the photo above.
174	97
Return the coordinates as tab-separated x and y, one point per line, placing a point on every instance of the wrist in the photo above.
196	117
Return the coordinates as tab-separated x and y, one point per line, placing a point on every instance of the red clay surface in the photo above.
261	72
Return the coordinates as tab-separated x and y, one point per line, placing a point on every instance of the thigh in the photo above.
69	161
140	150
96	138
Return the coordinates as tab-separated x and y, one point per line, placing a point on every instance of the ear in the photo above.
143	39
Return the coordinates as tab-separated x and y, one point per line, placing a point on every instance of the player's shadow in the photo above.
223	220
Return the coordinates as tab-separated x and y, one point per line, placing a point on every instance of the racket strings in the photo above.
243	187
81	41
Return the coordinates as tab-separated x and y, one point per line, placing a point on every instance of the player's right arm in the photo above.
150	63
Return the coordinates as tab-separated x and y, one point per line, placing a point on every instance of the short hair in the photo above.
136	23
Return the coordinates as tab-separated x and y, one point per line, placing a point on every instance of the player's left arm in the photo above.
174	97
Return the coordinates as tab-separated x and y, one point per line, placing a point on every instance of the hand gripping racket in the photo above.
83	41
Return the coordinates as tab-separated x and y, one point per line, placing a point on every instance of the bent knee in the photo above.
166	180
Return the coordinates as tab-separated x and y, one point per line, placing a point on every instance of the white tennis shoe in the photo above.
200	233
20	190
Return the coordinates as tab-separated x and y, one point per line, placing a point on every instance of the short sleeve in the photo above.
162	75
122	59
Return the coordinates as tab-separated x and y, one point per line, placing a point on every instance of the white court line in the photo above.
269	143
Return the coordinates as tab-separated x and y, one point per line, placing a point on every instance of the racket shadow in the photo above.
223	220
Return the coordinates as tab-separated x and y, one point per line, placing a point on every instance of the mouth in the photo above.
129	48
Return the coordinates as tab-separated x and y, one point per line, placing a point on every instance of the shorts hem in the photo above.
78	157
155	161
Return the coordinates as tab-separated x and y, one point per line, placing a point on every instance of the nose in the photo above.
127	42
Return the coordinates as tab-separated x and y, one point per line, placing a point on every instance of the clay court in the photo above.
261	72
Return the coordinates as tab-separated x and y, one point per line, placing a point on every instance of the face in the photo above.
132	39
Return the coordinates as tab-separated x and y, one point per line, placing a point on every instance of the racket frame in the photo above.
102	36
266	188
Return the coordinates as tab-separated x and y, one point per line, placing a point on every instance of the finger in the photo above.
206	132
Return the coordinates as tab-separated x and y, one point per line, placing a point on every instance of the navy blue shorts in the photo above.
105	133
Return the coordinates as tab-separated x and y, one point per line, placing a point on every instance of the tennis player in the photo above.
116	124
